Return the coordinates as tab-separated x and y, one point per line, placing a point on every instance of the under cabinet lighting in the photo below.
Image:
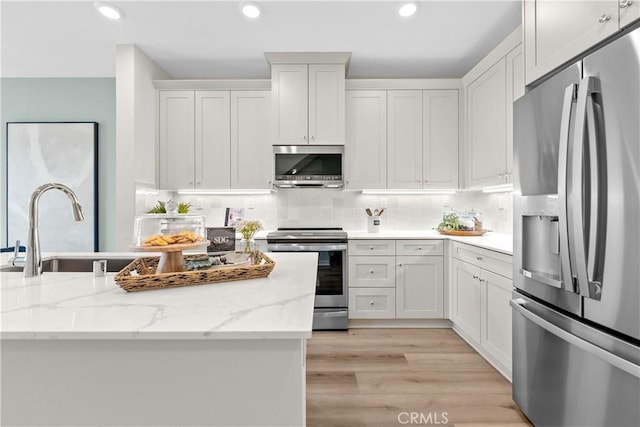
407	9
108	10
250	10
428	191
502	188
226	192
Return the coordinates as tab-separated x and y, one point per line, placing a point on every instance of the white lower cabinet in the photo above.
396	279
480	308
495	323
372	303
466	298
419	287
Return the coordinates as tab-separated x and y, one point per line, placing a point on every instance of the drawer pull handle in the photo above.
399	265
475	277
479	258
625	4
371	303
371	248
371	271
482	280
419	248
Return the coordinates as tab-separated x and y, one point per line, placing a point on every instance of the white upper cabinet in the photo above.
251	149
177	144
422	139
308	104
487	127
440	138
555	31
212	133
515	89
404	154
326	104
366	139
629	12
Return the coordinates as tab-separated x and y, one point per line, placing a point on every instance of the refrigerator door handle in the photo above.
585	216
563	166
598	176
519	305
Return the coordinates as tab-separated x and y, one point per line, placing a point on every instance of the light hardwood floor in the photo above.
378	377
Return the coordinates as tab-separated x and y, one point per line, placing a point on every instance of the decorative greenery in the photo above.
160	208
449	222
249	228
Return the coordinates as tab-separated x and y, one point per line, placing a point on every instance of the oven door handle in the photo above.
297	247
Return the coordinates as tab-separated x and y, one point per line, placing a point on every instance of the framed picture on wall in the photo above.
58	152
233	217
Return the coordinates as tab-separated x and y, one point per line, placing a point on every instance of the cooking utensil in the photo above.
376	212
368	212
380	213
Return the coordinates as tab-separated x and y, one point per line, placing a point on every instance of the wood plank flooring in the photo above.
379	377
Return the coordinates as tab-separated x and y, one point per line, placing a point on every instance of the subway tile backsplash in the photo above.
346	209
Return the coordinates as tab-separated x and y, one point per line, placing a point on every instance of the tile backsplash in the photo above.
346	209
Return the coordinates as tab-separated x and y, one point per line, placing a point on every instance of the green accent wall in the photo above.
67	100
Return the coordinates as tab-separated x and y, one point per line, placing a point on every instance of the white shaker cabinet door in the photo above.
366	141
515	89
326	104
555	31
629	12
212	136
496	316
419	287
404	153
176	140
251	150
466	298
440	137
289	86
487	127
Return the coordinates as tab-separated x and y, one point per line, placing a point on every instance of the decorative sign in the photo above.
222	239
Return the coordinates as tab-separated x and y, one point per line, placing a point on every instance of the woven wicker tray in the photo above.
140	275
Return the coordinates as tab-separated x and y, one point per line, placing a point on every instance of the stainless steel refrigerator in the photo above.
576	304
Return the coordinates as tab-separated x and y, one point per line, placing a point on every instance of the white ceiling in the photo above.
211	39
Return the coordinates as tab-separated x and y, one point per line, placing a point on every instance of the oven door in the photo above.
331	282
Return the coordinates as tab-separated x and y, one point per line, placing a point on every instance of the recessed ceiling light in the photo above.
407	9
108	10
251	10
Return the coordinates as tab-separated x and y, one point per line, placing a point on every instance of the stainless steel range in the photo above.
331	284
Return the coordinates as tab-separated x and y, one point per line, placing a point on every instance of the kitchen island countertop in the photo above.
79	306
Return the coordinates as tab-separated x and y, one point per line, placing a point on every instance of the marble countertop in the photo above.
79	306
492	241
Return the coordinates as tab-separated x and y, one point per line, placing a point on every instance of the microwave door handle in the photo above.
563	166
580	210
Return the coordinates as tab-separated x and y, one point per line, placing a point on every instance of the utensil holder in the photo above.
374	224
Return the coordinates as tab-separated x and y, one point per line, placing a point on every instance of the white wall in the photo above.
135	133
346	209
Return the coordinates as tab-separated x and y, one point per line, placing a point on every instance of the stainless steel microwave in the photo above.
312	166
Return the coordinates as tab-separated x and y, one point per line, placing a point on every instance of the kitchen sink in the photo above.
74	265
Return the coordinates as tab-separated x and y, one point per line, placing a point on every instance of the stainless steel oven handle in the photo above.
299	247
563	166
519	305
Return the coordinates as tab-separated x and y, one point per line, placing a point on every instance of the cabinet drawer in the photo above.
419	247
372	271
372	247
489	260
372	303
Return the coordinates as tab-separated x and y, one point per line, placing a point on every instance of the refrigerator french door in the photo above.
576	307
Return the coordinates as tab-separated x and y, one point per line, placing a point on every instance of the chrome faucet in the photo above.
33	264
